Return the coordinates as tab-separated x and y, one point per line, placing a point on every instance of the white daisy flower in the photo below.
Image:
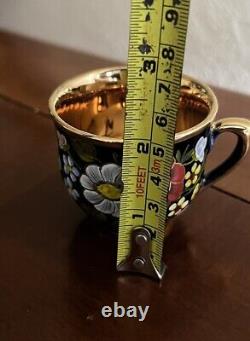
200	148
62	141
177	208
69	168
72	191
192	176
103	187
196	190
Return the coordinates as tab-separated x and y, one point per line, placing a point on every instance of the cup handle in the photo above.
241	128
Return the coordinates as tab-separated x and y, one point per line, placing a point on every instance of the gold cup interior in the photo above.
99	108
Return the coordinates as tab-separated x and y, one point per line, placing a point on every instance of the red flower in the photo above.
177	177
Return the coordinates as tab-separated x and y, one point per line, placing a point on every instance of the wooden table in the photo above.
57	269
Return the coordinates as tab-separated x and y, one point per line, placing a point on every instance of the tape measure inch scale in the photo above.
156	51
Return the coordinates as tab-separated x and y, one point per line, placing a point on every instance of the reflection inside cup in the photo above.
102	112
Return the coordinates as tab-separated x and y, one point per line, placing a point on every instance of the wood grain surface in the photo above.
31	70
57	267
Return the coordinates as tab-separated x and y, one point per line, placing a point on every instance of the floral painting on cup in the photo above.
92	180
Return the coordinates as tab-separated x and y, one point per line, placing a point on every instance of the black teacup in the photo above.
88	112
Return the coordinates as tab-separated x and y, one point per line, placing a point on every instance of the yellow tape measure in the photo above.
156	51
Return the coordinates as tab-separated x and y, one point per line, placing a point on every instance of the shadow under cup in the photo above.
89	115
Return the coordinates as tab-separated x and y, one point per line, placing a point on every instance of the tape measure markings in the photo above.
150	121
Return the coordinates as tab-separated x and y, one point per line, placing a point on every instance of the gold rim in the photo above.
88	81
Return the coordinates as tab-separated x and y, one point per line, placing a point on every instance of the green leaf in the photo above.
186	149
184	153
187	156
189	190
178	156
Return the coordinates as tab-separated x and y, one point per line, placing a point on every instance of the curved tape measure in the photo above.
156	52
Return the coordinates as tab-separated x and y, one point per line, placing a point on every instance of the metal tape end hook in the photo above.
139	260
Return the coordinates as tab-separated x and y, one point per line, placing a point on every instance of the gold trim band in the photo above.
107	78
